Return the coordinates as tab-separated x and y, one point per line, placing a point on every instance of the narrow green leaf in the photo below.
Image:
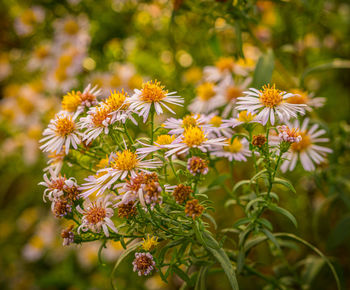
240	183
271	238
182	275
285	183
258	175
284	212
200	283
219	180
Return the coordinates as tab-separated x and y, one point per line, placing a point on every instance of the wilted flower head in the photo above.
197	165
143	263
193	208
289	135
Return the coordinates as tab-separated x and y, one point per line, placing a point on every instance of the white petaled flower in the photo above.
159	144
55	185
217	127
153	93
206	99
193	137
118	104
225	66
62	131
268	102
96	122
97	215
178	126
286	134
237	149
229	91
24	23
302	97
243	117
306	149
121	164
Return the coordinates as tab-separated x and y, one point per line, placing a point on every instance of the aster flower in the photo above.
206	99
197	165
178	126
55	185
67	236
153	93
225	66
306	149
62	131
193	208
217	127
268	102
286	134
122	164
193	137
24	24
97	215
143	263
159	144
96	122
61	207
229	91
149	243
237	149
303	97
243	117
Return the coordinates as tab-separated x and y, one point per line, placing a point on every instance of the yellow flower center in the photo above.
271	96
116	100
71	27
304	143
99	116
216	121
233	93
42	52
135	82
149	243
206	91
28	17
61	74
164	139
194	136
153	92
245	117
27	106
64	126
301	98
95	214
125	160
103	162
233	147
65	61
193	75
71	101
189	121
246	62
225	63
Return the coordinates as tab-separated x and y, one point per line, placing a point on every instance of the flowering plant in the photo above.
151	192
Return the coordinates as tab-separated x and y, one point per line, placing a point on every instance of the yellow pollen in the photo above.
216	121
271	96
164	139
95	214
64	126
233	93
104	162
71	27
300	98
116	100
225	63
194	136
189	121
125	160
205	91
233	147
99	116
304	143
245	117
71	101
149	243
153	92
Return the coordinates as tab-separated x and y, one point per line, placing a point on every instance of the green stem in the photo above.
127	134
